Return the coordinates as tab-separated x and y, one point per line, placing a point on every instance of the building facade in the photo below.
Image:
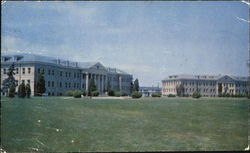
208	86
148	91
62	76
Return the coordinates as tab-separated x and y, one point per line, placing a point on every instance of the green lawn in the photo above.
146	124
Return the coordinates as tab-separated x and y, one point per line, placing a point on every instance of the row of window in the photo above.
17	70
117	79
67	84
60	73
189	90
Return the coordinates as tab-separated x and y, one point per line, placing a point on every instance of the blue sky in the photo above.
150	40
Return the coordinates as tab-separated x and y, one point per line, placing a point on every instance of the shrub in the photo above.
136	94
118	93
111	93
185	95
95	93
196	95
70	93
156	95
248	96
84	93
171	95
77	94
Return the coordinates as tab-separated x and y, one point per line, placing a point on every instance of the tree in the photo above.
136	85
180	90
28	90
92	87
40	87
12	91
131	87
21	90
10	82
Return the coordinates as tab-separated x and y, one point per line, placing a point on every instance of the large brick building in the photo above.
62	76
208	86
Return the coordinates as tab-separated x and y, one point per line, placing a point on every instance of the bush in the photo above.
95	93
84	93
156	95
186	95
70	93
196	95
111	93
171	95
118	93
136	94
77	94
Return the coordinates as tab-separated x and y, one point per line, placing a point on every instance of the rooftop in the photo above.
26	57
203	77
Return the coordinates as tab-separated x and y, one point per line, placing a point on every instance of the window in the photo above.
38	70
66	74
66	85
52	93
60	84
4	71
23	81
69	74
69	85
48	83
28	81
49	93
52	83
53	72
17	70
74	75
74	85
48	72
28	69
60	73
23	70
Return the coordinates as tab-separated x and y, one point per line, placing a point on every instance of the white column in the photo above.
87	82
120	83
102	84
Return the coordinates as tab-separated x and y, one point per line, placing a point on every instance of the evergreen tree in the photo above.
21	90
40	87
92	87
131	87
10	82
180	90
12	91
136	85
28	90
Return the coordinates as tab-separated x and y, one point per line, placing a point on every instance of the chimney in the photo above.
76	64
67	63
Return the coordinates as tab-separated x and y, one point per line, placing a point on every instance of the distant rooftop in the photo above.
203	77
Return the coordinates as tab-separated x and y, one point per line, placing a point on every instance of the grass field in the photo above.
146	124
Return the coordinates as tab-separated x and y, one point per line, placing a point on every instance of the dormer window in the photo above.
97	67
